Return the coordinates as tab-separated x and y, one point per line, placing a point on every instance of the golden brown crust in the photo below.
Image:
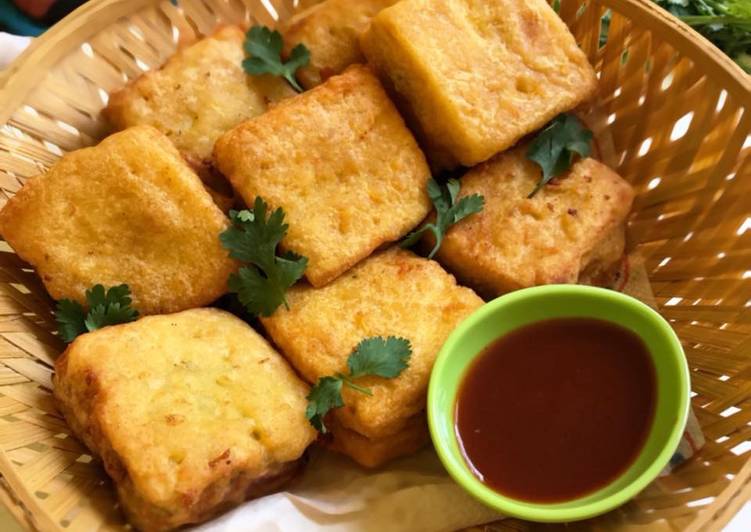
126	211
341	163
517	242
392	293
473	77
379	451
330	30
190	412
198	94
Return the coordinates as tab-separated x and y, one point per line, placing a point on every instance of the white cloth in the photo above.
413	494
10	47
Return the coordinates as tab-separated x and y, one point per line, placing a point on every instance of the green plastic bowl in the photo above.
522	307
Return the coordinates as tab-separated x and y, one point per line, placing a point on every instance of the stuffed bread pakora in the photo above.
340	162
374	452
199	94
392	293
474	76
330	30
129	210
191	413
572	225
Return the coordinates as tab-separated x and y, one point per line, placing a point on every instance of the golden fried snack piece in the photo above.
191	413
516	242
476	76
392	293
129	210
341	163
330	30
376	452
200	93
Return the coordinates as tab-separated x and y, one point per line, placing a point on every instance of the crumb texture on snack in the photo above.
474	76
190	412
516	242
330	30
129	211
392	293
340	162
200	93
375	452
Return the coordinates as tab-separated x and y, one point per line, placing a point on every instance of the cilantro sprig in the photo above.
108	307
252	238
554	147
374	356
448	212
264	48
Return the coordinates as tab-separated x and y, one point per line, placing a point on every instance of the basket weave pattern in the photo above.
673	116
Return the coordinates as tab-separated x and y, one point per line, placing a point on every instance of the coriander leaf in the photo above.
109	307
554	147
376	356
726	23
382	357
264	46
70	318
448	212
325	395
253	238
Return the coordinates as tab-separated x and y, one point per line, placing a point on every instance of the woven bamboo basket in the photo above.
673	116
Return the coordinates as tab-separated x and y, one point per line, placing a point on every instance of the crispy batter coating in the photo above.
376	452
330	30
516	242
190	412
129	210
200	93
474	76
392	293
341	163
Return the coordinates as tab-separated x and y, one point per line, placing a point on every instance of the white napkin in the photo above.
10	47
413	494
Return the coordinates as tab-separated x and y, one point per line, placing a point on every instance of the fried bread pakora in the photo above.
392	293
378	451
190	412
340	162
573	224
330	30
472	77
129	210
200	93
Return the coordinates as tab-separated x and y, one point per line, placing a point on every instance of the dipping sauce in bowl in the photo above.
556	409
559	402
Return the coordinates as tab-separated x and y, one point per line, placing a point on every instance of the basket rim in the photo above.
27	70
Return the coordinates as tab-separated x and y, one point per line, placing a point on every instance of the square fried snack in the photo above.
474	76
191	413
129	210
200	93
330	30
378	451
392	293
574	223
341	163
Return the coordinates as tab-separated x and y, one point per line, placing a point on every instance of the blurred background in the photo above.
726	23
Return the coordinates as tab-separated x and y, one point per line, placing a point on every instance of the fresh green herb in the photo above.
375	356
554	147
264	48
262	283
448	212
105	308
727	23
